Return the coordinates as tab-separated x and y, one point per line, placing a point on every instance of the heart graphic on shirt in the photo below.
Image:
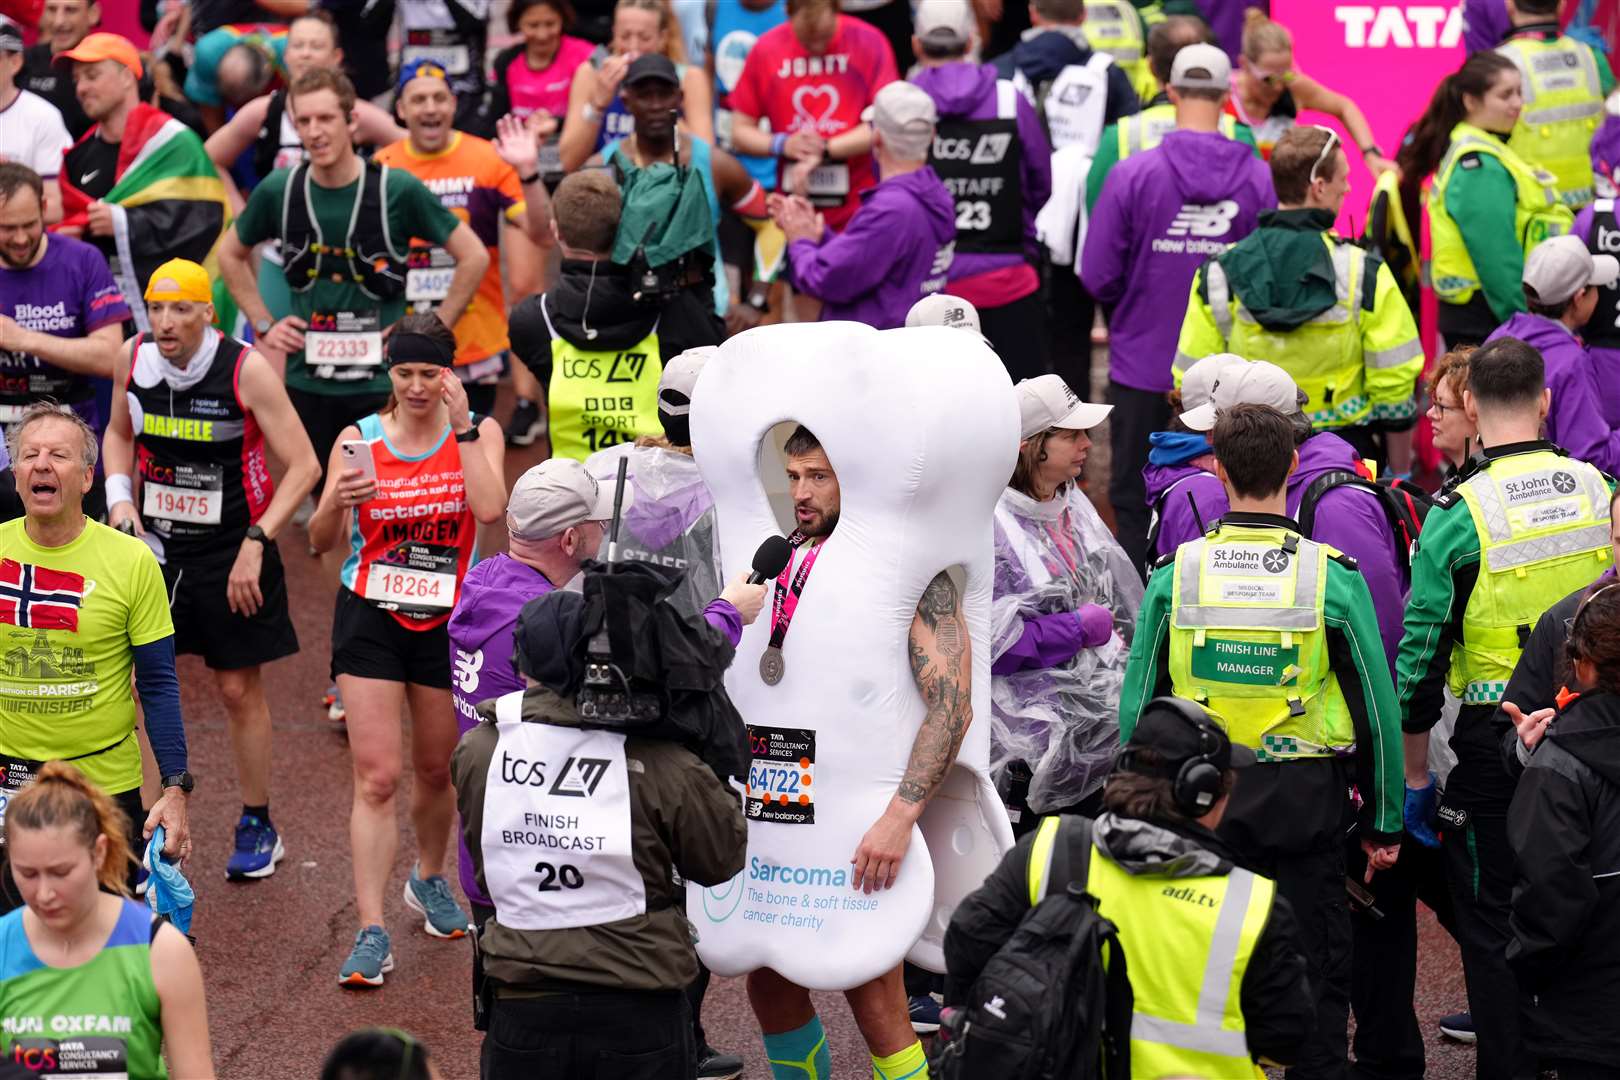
815	105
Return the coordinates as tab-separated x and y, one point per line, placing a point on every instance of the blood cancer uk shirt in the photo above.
782	83
70	619
473	183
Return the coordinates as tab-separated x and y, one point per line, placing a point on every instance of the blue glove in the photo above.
167	890
1418	813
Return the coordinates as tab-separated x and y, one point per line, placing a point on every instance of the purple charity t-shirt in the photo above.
69	293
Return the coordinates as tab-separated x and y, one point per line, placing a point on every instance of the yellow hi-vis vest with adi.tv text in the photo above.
1537	213
1563	106
1248	640
1543	524
1188	942
601	398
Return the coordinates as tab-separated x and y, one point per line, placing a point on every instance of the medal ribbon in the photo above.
786	600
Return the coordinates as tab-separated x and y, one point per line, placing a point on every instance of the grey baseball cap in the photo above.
905	116
1559	268
556	494
1257	382
1201	67
946	23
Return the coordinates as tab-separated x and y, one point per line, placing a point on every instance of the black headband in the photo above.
409	348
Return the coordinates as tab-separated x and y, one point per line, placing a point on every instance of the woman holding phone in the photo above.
411	484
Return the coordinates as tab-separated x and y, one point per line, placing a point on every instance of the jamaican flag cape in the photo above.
167	202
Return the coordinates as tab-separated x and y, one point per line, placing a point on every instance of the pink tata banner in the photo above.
1386	57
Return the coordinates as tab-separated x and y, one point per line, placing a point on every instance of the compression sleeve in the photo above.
159	690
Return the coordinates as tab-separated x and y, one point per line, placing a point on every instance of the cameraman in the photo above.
573	832
588	339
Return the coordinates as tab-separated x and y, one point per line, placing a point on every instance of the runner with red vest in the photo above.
198	412
411	484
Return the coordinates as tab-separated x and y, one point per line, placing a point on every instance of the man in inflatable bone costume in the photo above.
866	693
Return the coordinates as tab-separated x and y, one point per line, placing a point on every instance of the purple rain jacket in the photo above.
481	643
884	261
1347	519
968	91
1167	489
1605	362
1161	214
1575	418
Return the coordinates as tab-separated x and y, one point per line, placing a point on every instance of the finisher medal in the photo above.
771	667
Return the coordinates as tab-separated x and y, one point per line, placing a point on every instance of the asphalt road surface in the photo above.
271	949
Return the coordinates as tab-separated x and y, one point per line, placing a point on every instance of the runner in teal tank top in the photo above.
90	985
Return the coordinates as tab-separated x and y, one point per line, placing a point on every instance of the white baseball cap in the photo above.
1258	382
555	495
946	23
679	377
940	309
1200	67
1198	381
1046	402
1559	268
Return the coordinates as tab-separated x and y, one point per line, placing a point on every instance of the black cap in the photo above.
1176	730
546	643
652	66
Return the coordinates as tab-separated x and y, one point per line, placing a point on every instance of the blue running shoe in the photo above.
369	960
924	1014
432	899
142	876
258	849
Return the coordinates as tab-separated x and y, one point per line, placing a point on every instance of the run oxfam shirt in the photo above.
100	1019
70	619
68	293
413	210
795	91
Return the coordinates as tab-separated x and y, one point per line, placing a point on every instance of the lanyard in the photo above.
786	601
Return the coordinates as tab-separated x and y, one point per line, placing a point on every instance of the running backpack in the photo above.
1405	505
1054	1003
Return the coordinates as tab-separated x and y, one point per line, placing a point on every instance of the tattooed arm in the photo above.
941	663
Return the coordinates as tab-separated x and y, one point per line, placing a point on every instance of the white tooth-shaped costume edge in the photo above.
921	426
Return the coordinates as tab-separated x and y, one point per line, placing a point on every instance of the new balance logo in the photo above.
1212	220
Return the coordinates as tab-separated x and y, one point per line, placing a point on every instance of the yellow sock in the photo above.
909	1064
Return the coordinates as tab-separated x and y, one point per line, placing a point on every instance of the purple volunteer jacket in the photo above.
1347	519
968	91
888	256
1167	489
1160	215
481	642
1574	419
1485	24
1605	362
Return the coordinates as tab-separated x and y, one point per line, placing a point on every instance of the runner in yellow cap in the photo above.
181	279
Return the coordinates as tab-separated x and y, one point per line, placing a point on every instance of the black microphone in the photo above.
770	559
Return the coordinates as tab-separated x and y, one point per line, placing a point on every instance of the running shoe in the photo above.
1458	1027
258	849
527	423
713	1065
369	960
432	899
143	877
924	1014
334	705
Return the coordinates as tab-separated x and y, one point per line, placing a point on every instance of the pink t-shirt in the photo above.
546	89
784	84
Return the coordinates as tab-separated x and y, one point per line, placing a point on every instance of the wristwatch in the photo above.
533	178
262	326
470	435
759	300
1370	149
255	533
182	780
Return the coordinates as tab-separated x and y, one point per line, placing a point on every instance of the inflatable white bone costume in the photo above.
921	426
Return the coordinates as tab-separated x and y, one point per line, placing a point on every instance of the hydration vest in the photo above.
1176	949
981	162
1602	331
1537	213
1543	524
1563	106
277	144
1248	640
1073	104
600	398
200	454
367	255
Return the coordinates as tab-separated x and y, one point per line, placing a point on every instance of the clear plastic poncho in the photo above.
1062	721
668	518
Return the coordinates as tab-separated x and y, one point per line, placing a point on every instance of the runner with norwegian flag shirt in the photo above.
800	98
81	607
